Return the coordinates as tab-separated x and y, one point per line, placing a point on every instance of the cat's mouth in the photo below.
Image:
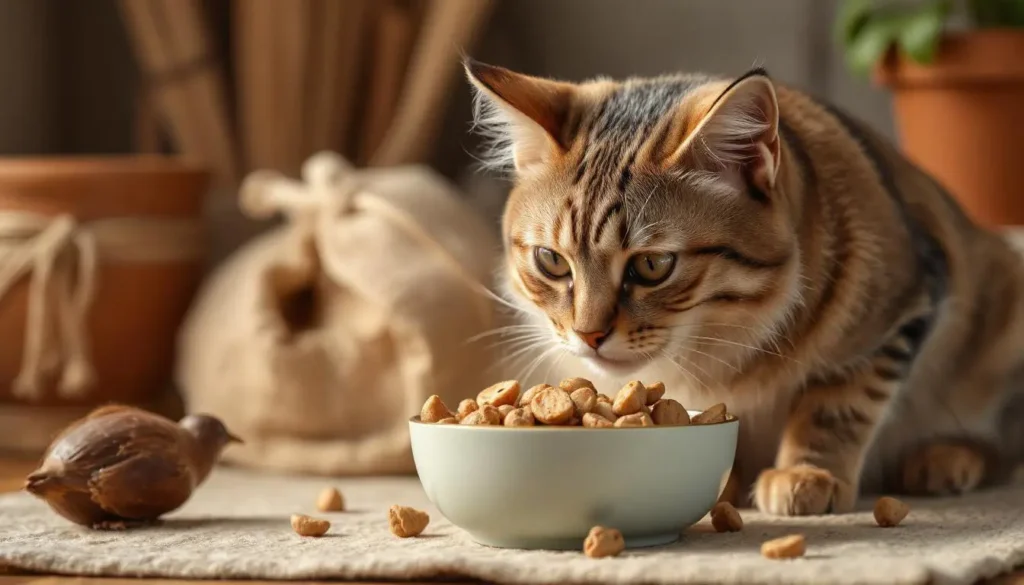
615	366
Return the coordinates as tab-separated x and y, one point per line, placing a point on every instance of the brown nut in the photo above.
637	419
890	512
630	399
330	500
725	518
583	400
655	391
448	421
668	412
552	406
466	407
787	547
506	392
596	421
603	542
571	385
308	526
712	414
520	417
605	409
527	397
405	521
604	398
434	410
504	409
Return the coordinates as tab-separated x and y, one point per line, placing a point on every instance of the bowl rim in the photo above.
415	419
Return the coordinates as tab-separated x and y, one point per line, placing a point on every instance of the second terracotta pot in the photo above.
962	119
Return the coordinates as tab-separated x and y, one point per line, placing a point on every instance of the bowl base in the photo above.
529	543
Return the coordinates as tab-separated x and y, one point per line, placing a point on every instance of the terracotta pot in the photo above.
962	119
137	306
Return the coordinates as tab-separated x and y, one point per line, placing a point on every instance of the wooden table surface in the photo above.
12	474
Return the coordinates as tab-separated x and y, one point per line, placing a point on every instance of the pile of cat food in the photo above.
575	402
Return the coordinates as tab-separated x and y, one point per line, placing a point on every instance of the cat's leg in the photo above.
818	464
945	467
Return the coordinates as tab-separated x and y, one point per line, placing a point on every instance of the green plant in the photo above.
868	29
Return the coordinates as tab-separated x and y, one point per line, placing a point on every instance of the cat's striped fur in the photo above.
867	333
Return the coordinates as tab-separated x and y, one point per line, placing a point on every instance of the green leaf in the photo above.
852	17
870	44
919	32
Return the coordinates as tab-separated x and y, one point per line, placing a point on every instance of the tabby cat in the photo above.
765	250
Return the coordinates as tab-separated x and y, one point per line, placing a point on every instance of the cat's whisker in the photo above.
686	372
539	360
481	289
503	330
716	358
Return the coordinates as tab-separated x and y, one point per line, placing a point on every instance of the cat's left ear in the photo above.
738	130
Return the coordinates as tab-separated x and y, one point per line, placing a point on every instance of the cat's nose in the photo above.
593	338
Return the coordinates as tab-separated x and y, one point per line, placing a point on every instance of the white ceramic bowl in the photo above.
545	487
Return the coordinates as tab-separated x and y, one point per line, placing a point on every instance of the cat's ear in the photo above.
739	129
523	117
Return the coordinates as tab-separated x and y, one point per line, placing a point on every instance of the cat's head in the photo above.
649	218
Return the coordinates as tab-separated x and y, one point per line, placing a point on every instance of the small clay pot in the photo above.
137	306
962	119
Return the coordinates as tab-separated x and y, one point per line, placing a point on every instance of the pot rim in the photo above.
983	56
64	166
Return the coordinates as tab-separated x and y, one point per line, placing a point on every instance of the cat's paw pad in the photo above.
942	469
801	490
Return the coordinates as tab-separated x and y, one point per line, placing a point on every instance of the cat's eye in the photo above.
650	268
551	263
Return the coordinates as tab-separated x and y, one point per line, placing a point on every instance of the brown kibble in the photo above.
571	385
488	415
596	421
308	526
448	421
630	399
527	397
605	410
466	407
405	521
552	406
583	400
725	518
669	412
506	392
603	542
713	414
890	512
330	500
504	409
604	398
434	410
655	391
637	419
787	547
520	417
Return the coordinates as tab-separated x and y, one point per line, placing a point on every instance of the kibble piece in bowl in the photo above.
434	410
571	385
486	415
520	417
630	399
584	400
506	392
713	414
669	412
655	390
637	419
527	396
552	406
466	407
595	421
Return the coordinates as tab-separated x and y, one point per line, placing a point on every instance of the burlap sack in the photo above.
317	341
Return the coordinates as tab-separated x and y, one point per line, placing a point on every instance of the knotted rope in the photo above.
62	257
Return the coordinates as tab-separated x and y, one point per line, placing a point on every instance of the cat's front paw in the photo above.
801	490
